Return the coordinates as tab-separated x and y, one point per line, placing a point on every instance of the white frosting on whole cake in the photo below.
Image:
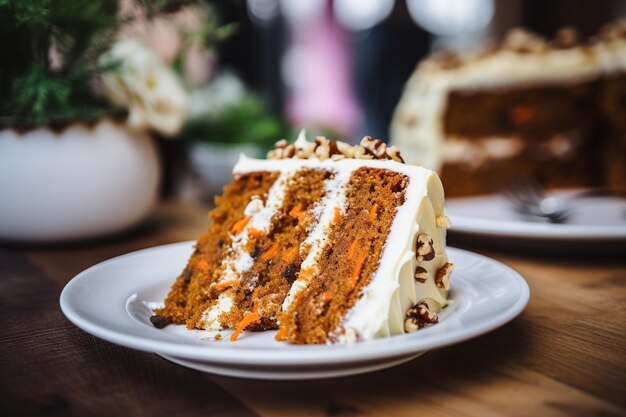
522	60
392	290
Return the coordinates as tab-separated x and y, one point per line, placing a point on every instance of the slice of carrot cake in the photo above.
324	242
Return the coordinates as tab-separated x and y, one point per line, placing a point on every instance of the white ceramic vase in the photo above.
79	183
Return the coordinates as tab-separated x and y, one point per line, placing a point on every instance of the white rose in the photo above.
150	90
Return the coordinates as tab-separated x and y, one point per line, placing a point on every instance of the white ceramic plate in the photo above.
113	300
602	219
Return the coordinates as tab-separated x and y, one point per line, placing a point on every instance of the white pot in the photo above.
82	182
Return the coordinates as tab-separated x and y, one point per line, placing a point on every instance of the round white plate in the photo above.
113	300
492	215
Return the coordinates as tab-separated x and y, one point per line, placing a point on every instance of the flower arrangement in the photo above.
149	89
66	62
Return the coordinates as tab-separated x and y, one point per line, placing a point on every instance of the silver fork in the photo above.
530	199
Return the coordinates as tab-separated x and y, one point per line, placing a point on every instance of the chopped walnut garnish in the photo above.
424	250
419	316
375	146
566	38
523	41
442	279
421	274
443	222
290	151
612	32
446	60
361	153
345	149
394	153
324	148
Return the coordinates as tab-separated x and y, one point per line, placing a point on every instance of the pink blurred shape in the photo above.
317	68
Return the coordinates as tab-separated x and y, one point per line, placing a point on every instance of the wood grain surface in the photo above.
565	355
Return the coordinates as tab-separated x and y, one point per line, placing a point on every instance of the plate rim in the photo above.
500	228
274	374
378	348
519	229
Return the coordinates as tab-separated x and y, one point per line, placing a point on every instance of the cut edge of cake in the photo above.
397	286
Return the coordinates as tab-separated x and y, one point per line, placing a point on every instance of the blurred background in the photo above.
234	76
339	66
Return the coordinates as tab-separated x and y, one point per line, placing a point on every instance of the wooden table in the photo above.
564	356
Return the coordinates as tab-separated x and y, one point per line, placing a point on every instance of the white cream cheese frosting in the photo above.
381	311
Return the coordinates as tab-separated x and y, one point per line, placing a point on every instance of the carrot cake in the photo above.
322	241
526	107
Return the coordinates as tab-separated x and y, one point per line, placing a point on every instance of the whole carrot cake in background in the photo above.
324	242
526	107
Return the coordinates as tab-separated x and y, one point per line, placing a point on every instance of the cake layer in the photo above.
531	113
350	257
192	291
275	254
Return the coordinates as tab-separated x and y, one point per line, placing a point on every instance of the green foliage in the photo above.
244	122
208	35
49	55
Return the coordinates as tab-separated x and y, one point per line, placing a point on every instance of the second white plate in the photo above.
598	219
114	300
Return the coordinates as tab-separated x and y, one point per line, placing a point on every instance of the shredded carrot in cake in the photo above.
290	254
357	271
256	233
372	215
268	254
203	266
305	274
239	226
337	214
296	210
523	114
281	334
352	249
247	320
226	284
327	296
297	213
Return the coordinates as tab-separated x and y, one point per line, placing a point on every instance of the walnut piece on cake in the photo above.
323	148
419	316
424	250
